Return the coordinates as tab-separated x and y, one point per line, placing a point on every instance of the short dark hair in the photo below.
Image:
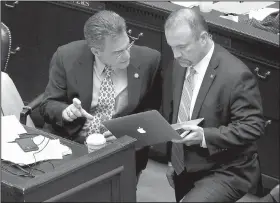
103	23
188	16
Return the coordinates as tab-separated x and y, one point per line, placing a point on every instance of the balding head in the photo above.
187	34
186	17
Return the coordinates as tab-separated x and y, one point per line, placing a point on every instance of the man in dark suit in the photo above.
216	161
99	78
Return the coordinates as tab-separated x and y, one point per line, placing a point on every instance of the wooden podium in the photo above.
106	175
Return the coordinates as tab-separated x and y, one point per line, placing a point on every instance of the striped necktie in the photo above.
177	156
105	106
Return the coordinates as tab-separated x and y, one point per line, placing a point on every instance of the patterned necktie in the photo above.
177	157
105	106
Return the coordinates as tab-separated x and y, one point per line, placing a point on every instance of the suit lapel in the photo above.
206	83
135	76
84	77
134	81
178	79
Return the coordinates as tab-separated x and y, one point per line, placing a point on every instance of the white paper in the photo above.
48	150
260	14
206	6
7	136
240	8
231	17
11	128
51	149
13	153
188	4
65	150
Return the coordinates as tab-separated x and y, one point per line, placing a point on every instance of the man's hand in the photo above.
75	111
195	137
170	176
109	136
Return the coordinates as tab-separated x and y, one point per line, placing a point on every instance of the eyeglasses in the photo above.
133	39
126	49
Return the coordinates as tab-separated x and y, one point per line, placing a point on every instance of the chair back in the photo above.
11	101
6	42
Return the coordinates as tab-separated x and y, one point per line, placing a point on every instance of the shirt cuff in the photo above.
203	143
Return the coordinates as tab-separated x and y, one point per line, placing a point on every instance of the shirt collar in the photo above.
203	64
99	66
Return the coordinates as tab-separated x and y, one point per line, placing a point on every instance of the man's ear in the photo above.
203	38
95	51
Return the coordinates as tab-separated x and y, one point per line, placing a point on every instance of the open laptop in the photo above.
148	128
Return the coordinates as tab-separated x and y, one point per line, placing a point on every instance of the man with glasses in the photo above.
99	78
218	160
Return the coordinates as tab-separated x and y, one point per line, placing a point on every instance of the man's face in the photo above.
187	49
116	52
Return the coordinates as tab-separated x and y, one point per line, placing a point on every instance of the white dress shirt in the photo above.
200	68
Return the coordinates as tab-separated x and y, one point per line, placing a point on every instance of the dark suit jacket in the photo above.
230	103
71	75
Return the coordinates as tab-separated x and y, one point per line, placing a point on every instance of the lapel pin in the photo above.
212	76
136	75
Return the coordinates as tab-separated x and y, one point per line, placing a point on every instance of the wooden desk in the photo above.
104	175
